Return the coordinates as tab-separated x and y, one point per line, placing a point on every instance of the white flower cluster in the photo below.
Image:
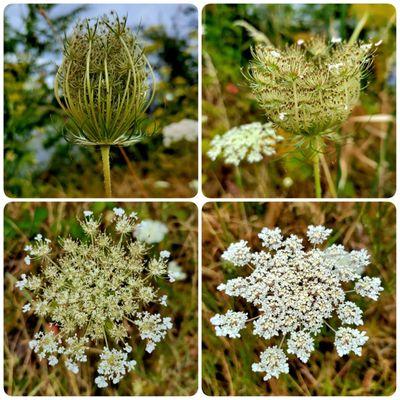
250	142
93	290
229	324
186	129
175	272
296	292
113	366
153	328
149	231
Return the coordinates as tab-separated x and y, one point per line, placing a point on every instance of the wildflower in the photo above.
275	54
114	365
301	344
150	231
175	272
91	291
26	307
118	211
273	362
165	254
27	260
369	287
229	324
336	39
318	234
300	42
296	292
250	142
152	327
350	313
88	214
186	129
238	254
299	85
22	283
104	85
271	238
349	340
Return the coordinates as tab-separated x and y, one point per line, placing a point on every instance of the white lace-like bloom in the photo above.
273	362
296	292
229	324
175	272
239	254
349	340
318	234
150	231
186	129
152	327
350	313
369	287
249	142
91	290
271	238
114	365
22	283
301	344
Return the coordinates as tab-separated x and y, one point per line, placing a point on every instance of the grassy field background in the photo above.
226	363
170	370
362	163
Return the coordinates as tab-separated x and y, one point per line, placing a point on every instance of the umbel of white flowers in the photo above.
97	291
250	142
296	293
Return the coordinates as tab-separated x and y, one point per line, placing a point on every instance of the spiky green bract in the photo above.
104	84
311	87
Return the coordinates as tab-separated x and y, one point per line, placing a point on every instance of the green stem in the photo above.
105	155
317	179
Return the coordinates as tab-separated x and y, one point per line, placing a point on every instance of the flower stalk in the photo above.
105	156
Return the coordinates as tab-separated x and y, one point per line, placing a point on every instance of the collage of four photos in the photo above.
200	199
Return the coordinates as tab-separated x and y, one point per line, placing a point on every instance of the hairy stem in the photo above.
105	155
317	179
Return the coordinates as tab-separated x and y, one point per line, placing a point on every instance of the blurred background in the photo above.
38	160
226	363
170	370
362	164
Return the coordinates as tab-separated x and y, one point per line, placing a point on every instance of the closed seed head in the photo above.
315	85
104	84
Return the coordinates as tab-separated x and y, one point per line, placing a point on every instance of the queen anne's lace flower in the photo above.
249	142
185	129
238	254
175	272
369	287
150	231
113	366
296	292
229	324
301	344
273	362
318	234
97	290
348	340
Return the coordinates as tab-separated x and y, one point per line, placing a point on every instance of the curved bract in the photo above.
309	88
104	84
